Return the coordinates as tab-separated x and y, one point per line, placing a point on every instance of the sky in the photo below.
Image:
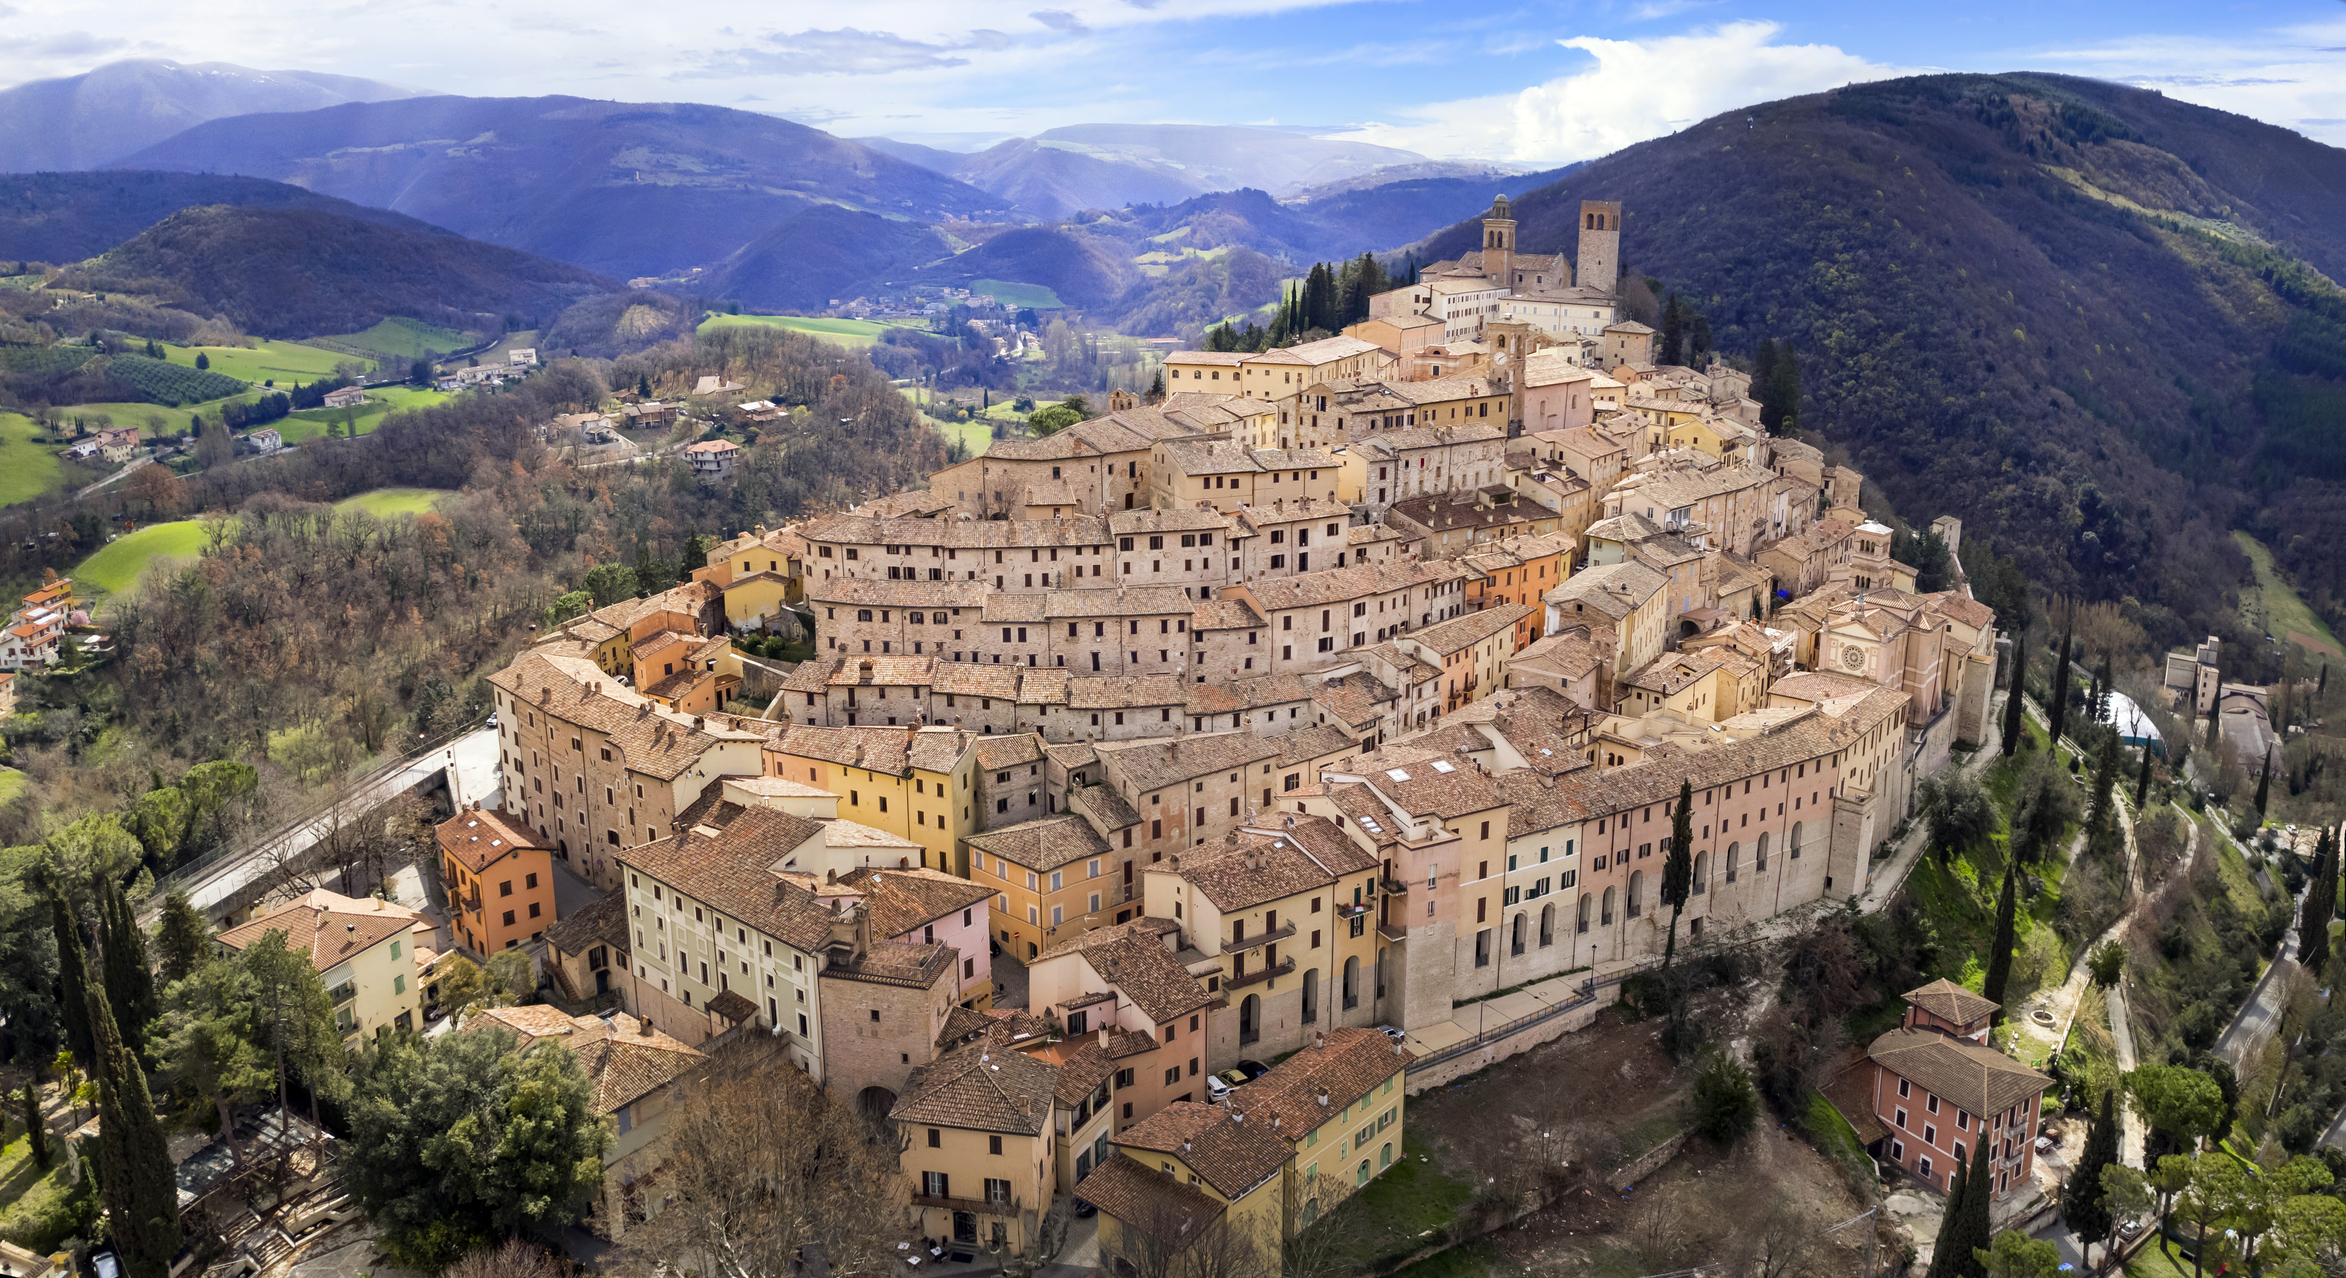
1531	83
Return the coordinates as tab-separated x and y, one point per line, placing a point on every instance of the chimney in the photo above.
644	1027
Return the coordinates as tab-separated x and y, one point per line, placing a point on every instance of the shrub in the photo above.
1725	1103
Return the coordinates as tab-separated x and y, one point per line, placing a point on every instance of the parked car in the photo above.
2045	1145
1248	1070
1216	1090
1391	1032
492	720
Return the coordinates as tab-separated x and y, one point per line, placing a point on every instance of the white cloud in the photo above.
1636	89
2293	76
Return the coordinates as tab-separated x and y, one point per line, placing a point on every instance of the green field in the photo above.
382	401
27	469
117	565
1029	295
384	502
286	362
526	339
174	419
11	784
403	337
845	332
2277	608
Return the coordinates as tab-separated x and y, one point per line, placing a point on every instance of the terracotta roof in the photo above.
980	1087
1123	692
902	901
1427	781
1158	763
1223	614
1133	958
1849	1087
1225	1150
331	928
1950	1002
1346	1066
1046	844
1229	696
1147	1200
1337	585
570	689
872	749
602	923
1473	628
995	753
733	870
1081	1072
622	1061
1974	1077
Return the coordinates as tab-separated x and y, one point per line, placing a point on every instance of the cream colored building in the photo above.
364	951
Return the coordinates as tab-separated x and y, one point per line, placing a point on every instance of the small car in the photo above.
492	721
1248	1070
2045	1145
1216	1090
1391	1032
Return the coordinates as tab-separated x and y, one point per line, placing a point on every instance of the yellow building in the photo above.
1337	1105
979	1146
363	951
1052	879
760	572
1193	1178
917	783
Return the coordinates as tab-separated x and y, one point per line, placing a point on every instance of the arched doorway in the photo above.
1515	943
1580	919
1702	873
1792	849
1250	1019
1606	916
1759	855
1352	982
1733	850
1636	891
1311	996
1548	924
874	1103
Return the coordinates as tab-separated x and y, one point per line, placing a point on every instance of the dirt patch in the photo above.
2314	643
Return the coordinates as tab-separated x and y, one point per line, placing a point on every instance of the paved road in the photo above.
473	756
2245	1037
115	478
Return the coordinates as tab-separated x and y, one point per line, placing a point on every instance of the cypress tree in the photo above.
142	1198
2104	685
1673	332
2082	1204
2313	918
70	1003
1787	390
1951	1253
2142	781
36	1131
2057	693
2102	820
130	982
2016	701
2000	957
2264	782
1976	1231
1678	867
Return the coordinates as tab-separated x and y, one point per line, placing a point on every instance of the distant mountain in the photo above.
83	121
624	188
1108	166
1084	268
822	255
609	325
65	217
287	272
1355	216
2078	315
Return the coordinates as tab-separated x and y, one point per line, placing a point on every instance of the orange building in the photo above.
500	877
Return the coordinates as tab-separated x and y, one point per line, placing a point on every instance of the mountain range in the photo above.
2089	319
83	121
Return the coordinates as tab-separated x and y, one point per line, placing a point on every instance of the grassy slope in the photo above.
30	1194
175	420
382	401
11	784
27	469
1029	295
393	501
846	332
282	361
117	565
406	337
2276	607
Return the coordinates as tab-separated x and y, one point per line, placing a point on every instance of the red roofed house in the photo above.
363	950
1939	1089
500	877
713	458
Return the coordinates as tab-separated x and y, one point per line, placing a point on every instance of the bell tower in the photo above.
1499	244
1600	245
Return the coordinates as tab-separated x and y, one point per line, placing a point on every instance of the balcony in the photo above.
1392	932
1258	975
1258	940
1349	912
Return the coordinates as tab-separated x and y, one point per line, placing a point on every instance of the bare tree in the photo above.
513	1259
1776	1239
762	1163
1184	1235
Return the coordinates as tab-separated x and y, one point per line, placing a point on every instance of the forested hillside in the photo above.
2070	312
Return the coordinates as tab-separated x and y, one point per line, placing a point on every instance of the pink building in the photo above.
1939	1089
932	907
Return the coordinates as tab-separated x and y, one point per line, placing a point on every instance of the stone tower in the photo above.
1600	245
1499	243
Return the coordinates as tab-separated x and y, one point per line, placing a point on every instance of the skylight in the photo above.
1440	766
1397	774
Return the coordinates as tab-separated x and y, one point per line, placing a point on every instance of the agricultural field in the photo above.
1034	296
27	469
117	565
976	436
286	362
385	502
405	338
2276	607
845	332
526	339
381	402
164	382
175	420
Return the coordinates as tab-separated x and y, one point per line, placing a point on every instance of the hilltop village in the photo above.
1282	713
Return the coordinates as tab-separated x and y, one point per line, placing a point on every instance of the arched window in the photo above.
1385	1156
1580	922
1360	1174
1732	850
1759	855
1516	944
1548	924
1606	915
1636	891
1352	982
1311	995
1250	1019
1702	873
1792	851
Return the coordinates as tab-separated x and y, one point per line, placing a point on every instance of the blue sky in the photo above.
1529	83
